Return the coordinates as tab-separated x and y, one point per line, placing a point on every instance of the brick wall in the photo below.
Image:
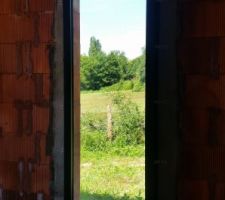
201	63
26	47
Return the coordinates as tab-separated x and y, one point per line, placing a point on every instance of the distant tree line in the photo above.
99	69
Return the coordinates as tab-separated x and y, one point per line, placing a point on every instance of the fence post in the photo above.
109	123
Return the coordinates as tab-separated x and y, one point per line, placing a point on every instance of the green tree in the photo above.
98	69
137	67
123	63
91	72
115	64
85	65
141	69
95	47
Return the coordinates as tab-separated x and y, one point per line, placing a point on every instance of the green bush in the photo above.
134	85
127	85
93	132
120	86
127	151
138	86
128	128
93	122
94	141
129	122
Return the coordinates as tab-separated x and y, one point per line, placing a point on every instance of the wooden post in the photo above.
109	123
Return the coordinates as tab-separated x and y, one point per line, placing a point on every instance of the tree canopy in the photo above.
99	69
95	47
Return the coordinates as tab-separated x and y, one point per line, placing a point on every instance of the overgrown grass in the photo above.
96	102
137	151
111	170
109	176
134	85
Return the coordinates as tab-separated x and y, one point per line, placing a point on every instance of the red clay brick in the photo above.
1	90
202	56
200	162
14	148
16	28
9	175
204	19
195	126
41	119
42	89
17	88
7	6
204	92
200	127
40	59
220	191
8	59
25	77
41	179
47	86
8	118
194	190
41	5
45	159
18	7
46	27
35	58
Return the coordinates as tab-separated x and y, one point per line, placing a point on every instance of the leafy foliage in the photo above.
133	85
138	67
93	122
99	69
120	86
129	125
95	47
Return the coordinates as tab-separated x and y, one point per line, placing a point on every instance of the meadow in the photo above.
115	172
97	102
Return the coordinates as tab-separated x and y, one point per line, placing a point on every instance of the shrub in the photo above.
138	86
135	85
93	122
94	141
93	128
120	86
128	128
129	122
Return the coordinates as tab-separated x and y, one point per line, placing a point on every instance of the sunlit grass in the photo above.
98	101
119	173
112	177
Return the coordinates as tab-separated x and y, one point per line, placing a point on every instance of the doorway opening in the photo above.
113	99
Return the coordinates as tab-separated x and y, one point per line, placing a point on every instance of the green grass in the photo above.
105	176
117	174
97	102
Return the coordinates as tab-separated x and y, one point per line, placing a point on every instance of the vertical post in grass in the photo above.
109	123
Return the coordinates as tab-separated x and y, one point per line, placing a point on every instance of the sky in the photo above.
118	24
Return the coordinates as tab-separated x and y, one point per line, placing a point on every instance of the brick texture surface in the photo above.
26	47
201	61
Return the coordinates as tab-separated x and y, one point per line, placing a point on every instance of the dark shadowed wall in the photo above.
186	94
201	48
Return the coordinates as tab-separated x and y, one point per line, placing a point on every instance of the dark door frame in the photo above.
152	116
151	95
162	114
68	100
